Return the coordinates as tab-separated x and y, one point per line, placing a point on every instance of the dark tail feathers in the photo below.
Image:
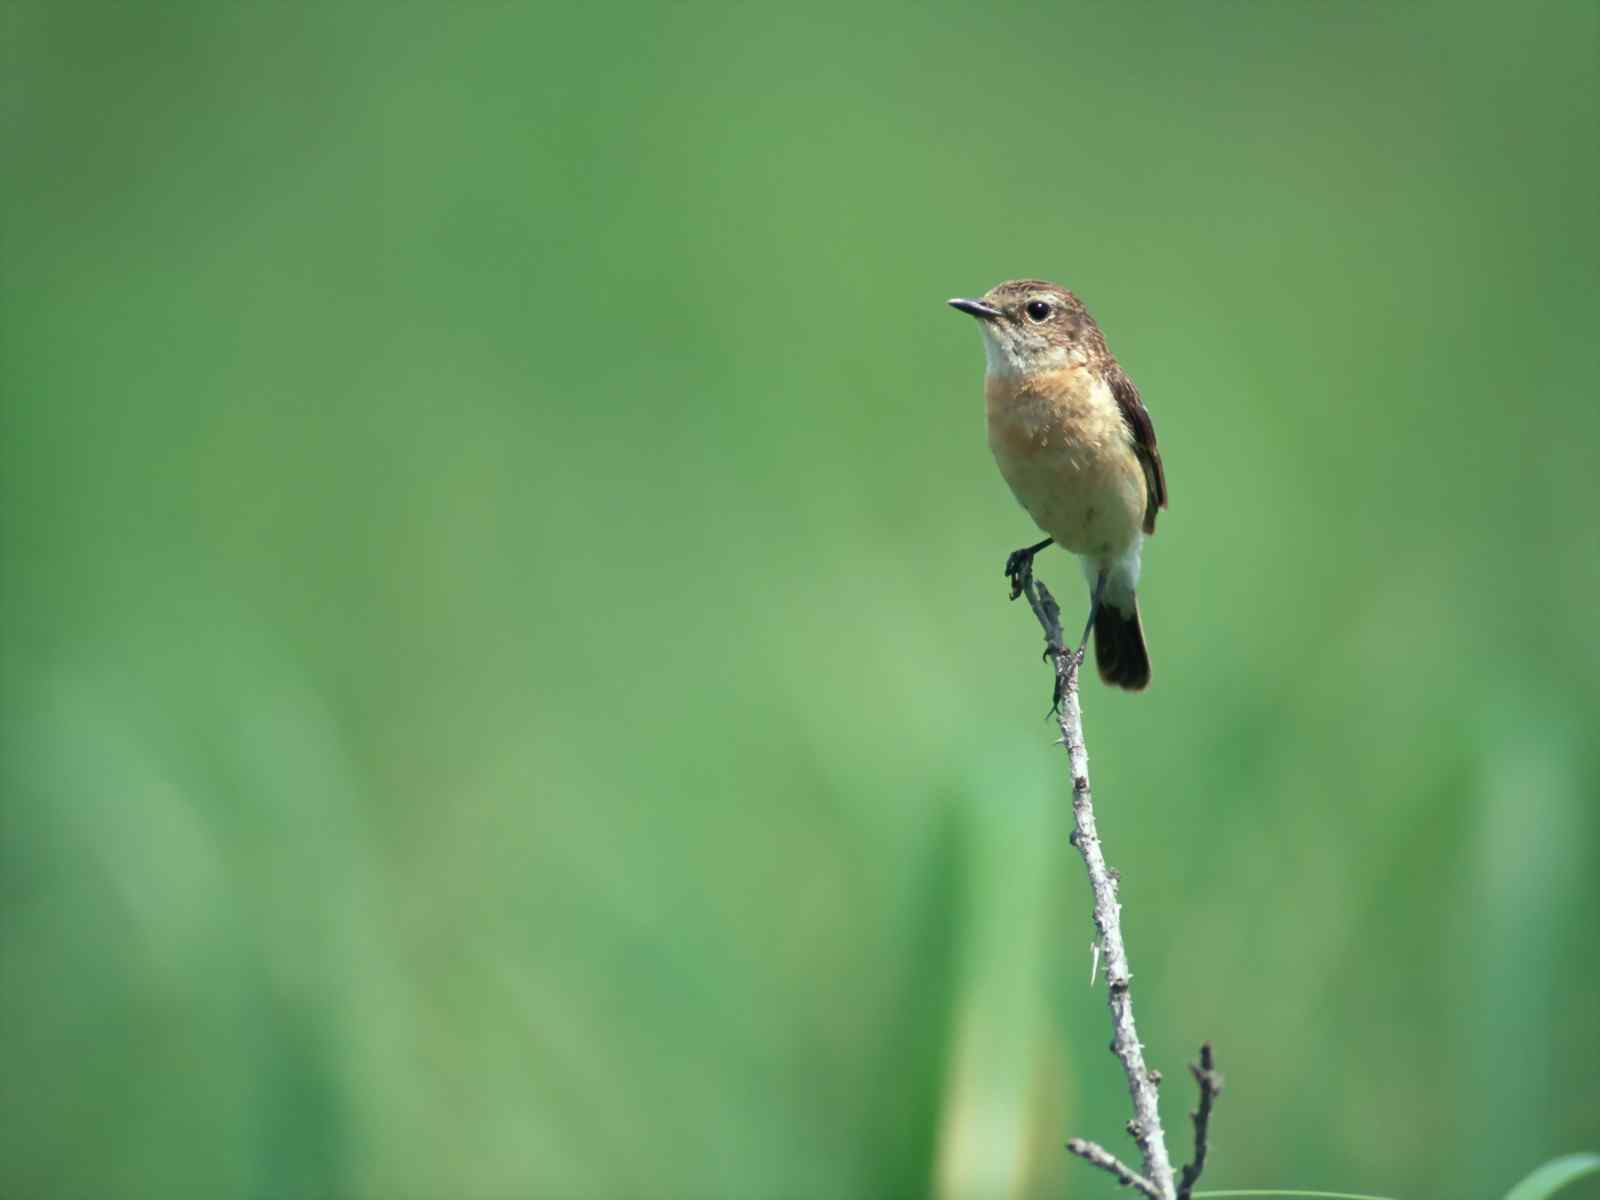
1119	648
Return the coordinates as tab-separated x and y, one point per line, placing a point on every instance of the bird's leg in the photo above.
1094	611
1020	563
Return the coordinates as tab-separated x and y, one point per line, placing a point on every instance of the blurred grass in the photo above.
507	686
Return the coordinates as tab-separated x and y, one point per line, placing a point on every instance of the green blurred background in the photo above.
508	689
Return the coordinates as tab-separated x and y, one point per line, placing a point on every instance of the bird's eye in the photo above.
1037	310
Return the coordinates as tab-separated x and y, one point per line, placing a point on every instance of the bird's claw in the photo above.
1074	660
1019	565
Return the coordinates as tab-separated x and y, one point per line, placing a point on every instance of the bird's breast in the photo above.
1063	447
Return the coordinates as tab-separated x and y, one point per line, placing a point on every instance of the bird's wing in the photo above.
1144	443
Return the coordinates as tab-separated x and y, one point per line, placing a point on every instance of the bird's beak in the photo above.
976	308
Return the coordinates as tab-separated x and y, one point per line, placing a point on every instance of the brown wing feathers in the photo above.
1144	442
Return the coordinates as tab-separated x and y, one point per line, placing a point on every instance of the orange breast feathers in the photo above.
1067	454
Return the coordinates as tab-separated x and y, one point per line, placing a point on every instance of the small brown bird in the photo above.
1078	448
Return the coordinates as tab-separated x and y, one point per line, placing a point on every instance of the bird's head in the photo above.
1030	325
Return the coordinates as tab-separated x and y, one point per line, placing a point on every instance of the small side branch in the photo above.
1210	1081
1097	1154
1145	1127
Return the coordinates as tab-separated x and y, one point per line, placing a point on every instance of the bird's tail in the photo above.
1119	649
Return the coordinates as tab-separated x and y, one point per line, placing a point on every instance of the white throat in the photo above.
1007	359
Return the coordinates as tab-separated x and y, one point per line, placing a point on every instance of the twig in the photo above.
1146	1124
1101	1157
1210	1081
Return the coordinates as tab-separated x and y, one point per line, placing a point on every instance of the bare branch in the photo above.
1210	1081
1146	1124
1103	1158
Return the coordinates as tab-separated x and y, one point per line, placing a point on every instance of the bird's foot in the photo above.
1063	670
1074	656
1019	566
1053	655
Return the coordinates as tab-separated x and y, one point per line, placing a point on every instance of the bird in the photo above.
1076	445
